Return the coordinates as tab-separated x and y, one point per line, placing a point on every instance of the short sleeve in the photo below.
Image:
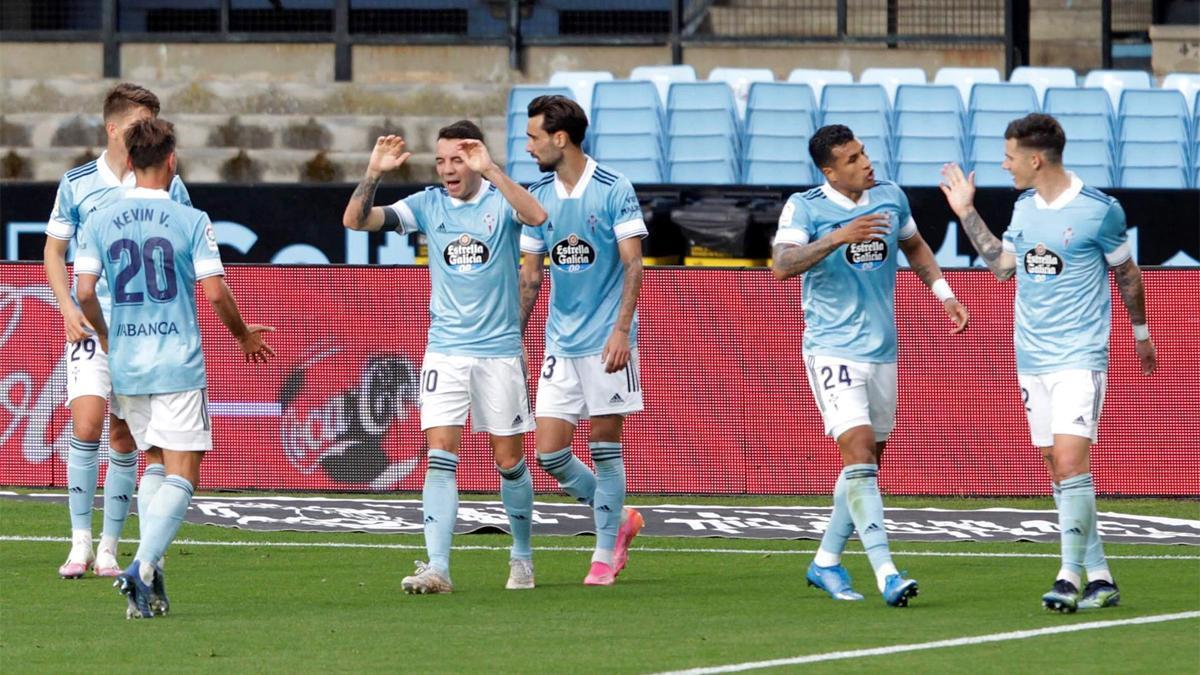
795	228
1114	237
87	256
64	215
906	223
532	240
179	192
626	211
410	211
206	255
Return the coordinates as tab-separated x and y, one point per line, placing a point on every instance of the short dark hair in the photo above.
461	130
1038	131
126	96
822	143
150	142
560	113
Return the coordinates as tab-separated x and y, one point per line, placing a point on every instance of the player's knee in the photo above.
119	437
87	429
606	429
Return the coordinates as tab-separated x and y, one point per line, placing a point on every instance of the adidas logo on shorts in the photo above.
616	398
1080	421
517	420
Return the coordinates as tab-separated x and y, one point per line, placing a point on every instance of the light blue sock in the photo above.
1076	518
118	490
866	508
162	519
516	491
610	498
439	501
82	470
152	479
839	529
1094	561
572	475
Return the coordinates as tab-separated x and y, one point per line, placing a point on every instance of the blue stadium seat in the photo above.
768	172
861	123
1091	153
1077	101
776	148
1117	81
1153	103
940	150
966	78
818	79
779	123
988	123
1154	178
1084	127
1041	78
991	174
893	78
1162	129
1152	155
928	98
623	95
661	77
1096	176
1018	99
636	121
781	96
610	146
704	172
700	96
581	83
855	98
987	149
739	81
1187	84
518	105
929	124
702	123
919	174
697	148
638	170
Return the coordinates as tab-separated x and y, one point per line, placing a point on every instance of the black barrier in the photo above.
273	218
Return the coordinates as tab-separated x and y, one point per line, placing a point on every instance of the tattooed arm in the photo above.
791	260
1133	295
531	285
361	212
960	194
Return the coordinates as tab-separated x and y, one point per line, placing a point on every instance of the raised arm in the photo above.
794	259
925	266
477	158
531	285
249	337
361	212
1133	295
960	194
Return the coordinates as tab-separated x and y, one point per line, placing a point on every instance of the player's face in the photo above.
1020	162
851	168
544	147
119	124
458	180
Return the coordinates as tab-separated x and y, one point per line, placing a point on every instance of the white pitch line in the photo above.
581	549
937	644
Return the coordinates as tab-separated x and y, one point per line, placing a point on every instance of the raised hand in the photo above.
864	228
958	188
388	155
474	154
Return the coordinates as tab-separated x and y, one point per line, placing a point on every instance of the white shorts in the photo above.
853	394
176	421
87	373
1063	402
491	389
572	389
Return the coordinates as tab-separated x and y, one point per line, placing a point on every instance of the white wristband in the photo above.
941	289
1141	332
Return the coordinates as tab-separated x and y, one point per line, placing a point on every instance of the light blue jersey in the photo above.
474	305
89	187
581	237
152	251
849	297
1063	251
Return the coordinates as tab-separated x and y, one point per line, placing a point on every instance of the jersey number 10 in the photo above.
158	257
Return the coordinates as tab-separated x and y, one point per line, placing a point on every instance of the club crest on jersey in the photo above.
1068	235
1041	263
592	221
490	221
466	253
867	255
573	254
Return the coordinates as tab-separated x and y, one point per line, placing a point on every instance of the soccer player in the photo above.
1062	240
474	359
843	237
83	190
590	368
152	251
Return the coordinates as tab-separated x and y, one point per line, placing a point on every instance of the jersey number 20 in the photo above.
157	256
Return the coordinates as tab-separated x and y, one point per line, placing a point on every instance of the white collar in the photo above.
580	186
484	186
147	193
1062	200
109	177
842	200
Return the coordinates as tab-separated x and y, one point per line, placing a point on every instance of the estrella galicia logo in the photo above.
1041	263
573	254
867	255
467	254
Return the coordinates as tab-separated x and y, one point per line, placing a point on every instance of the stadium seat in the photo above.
928	125
782	96
1086	127
1079	101
817	79
700	96
581	83
855	98
739	81
1095	176
861	123
703	172
991	174
892	78
1153	155
1090	153
625	95
638	170
518	105
611	146
779	123
1019	99
939	150
1041	78
1154	129
1153	103
702	148
965	78
985	123
987	149
927	98
1187	84
663	76
776	148
1116	81
634	121
703	123
1153	178
768	172
919	174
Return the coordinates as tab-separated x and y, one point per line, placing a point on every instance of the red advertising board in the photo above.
728	409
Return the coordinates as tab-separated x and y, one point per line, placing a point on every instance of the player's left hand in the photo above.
1147	355
616	351
958	314
475	155
254	347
